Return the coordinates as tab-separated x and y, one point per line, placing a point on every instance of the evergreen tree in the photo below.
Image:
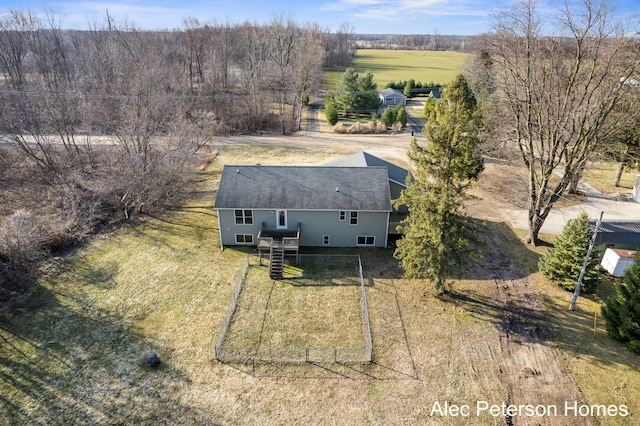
388	116
429	106
437	238
357	92
346	95
622	311
401	114
562	263
367	99
407	89
330	110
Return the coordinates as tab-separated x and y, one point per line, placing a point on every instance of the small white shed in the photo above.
615	261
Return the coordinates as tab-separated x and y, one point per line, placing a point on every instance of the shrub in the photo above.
355	128
622	311
401	115
562	263
331	111
388	116
397	126
339	128
22	240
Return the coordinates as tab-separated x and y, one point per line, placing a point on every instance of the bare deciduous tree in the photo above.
559	90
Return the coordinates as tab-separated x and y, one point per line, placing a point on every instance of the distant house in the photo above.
617	234
392	97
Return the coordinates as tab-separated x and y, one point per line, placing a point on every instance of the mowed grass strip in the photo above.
426	66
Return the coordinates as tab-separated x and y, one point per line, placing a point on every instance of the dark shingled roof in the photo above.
364	159
620	232
304	188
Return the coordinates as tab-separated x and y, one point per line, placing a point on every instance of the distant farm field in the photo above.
397	65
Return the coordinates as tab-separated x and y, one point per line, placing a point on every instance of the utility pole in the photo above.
587	258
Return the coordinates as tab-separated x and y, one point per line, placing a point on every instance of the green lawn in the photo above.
395	65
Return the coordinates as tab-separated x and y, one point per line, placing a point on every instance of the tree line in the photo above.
104	123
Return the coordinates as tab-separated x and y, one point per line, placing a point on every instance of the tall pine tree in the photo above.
622	311
347	94
562	263
368	96
437	238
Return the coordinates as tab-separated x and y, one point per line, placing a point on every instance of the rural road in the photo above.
595	202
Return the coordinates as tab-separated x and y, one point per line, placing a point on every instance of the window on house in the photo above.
353	218
326	240
244	238
366	240
343	215
244	217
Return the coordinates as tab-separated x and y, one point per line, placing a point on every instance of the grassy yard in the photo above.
73	351
399	65
317	305
601	175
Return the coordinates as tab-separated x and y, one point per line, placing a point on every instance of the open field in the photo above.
73	351
399	65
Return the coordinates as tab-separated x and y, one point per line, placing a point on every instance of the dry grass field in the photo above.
73	351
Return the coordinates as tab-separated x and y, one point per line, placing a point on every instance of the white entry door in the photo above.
281	219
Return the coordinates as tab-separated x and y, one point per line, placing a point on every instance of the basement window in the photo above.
244	238
366	240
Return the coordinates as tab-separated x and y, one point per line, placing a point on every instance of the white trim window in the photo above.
366	240
243	217
353	218
342	215
326	240
244	238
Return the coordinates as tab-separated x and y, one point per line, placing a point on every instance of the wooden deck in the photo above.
283	239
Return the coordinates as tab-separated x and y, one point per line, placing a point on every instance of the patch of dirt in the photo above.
530	368
503	182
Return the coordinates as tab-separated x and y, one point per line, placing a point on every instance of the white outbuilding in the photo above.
616	261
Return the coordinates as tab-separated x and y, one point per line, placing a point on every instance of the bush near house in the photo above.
392	115
562	263
622	311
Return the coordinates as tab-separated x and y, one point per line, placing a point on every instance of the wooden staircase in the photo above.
276	260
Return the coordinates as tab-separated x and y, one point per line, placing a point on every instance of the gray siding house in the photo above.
303	206
392	97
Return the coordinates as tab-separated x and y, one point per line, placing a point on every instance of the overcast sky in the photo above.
462	17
